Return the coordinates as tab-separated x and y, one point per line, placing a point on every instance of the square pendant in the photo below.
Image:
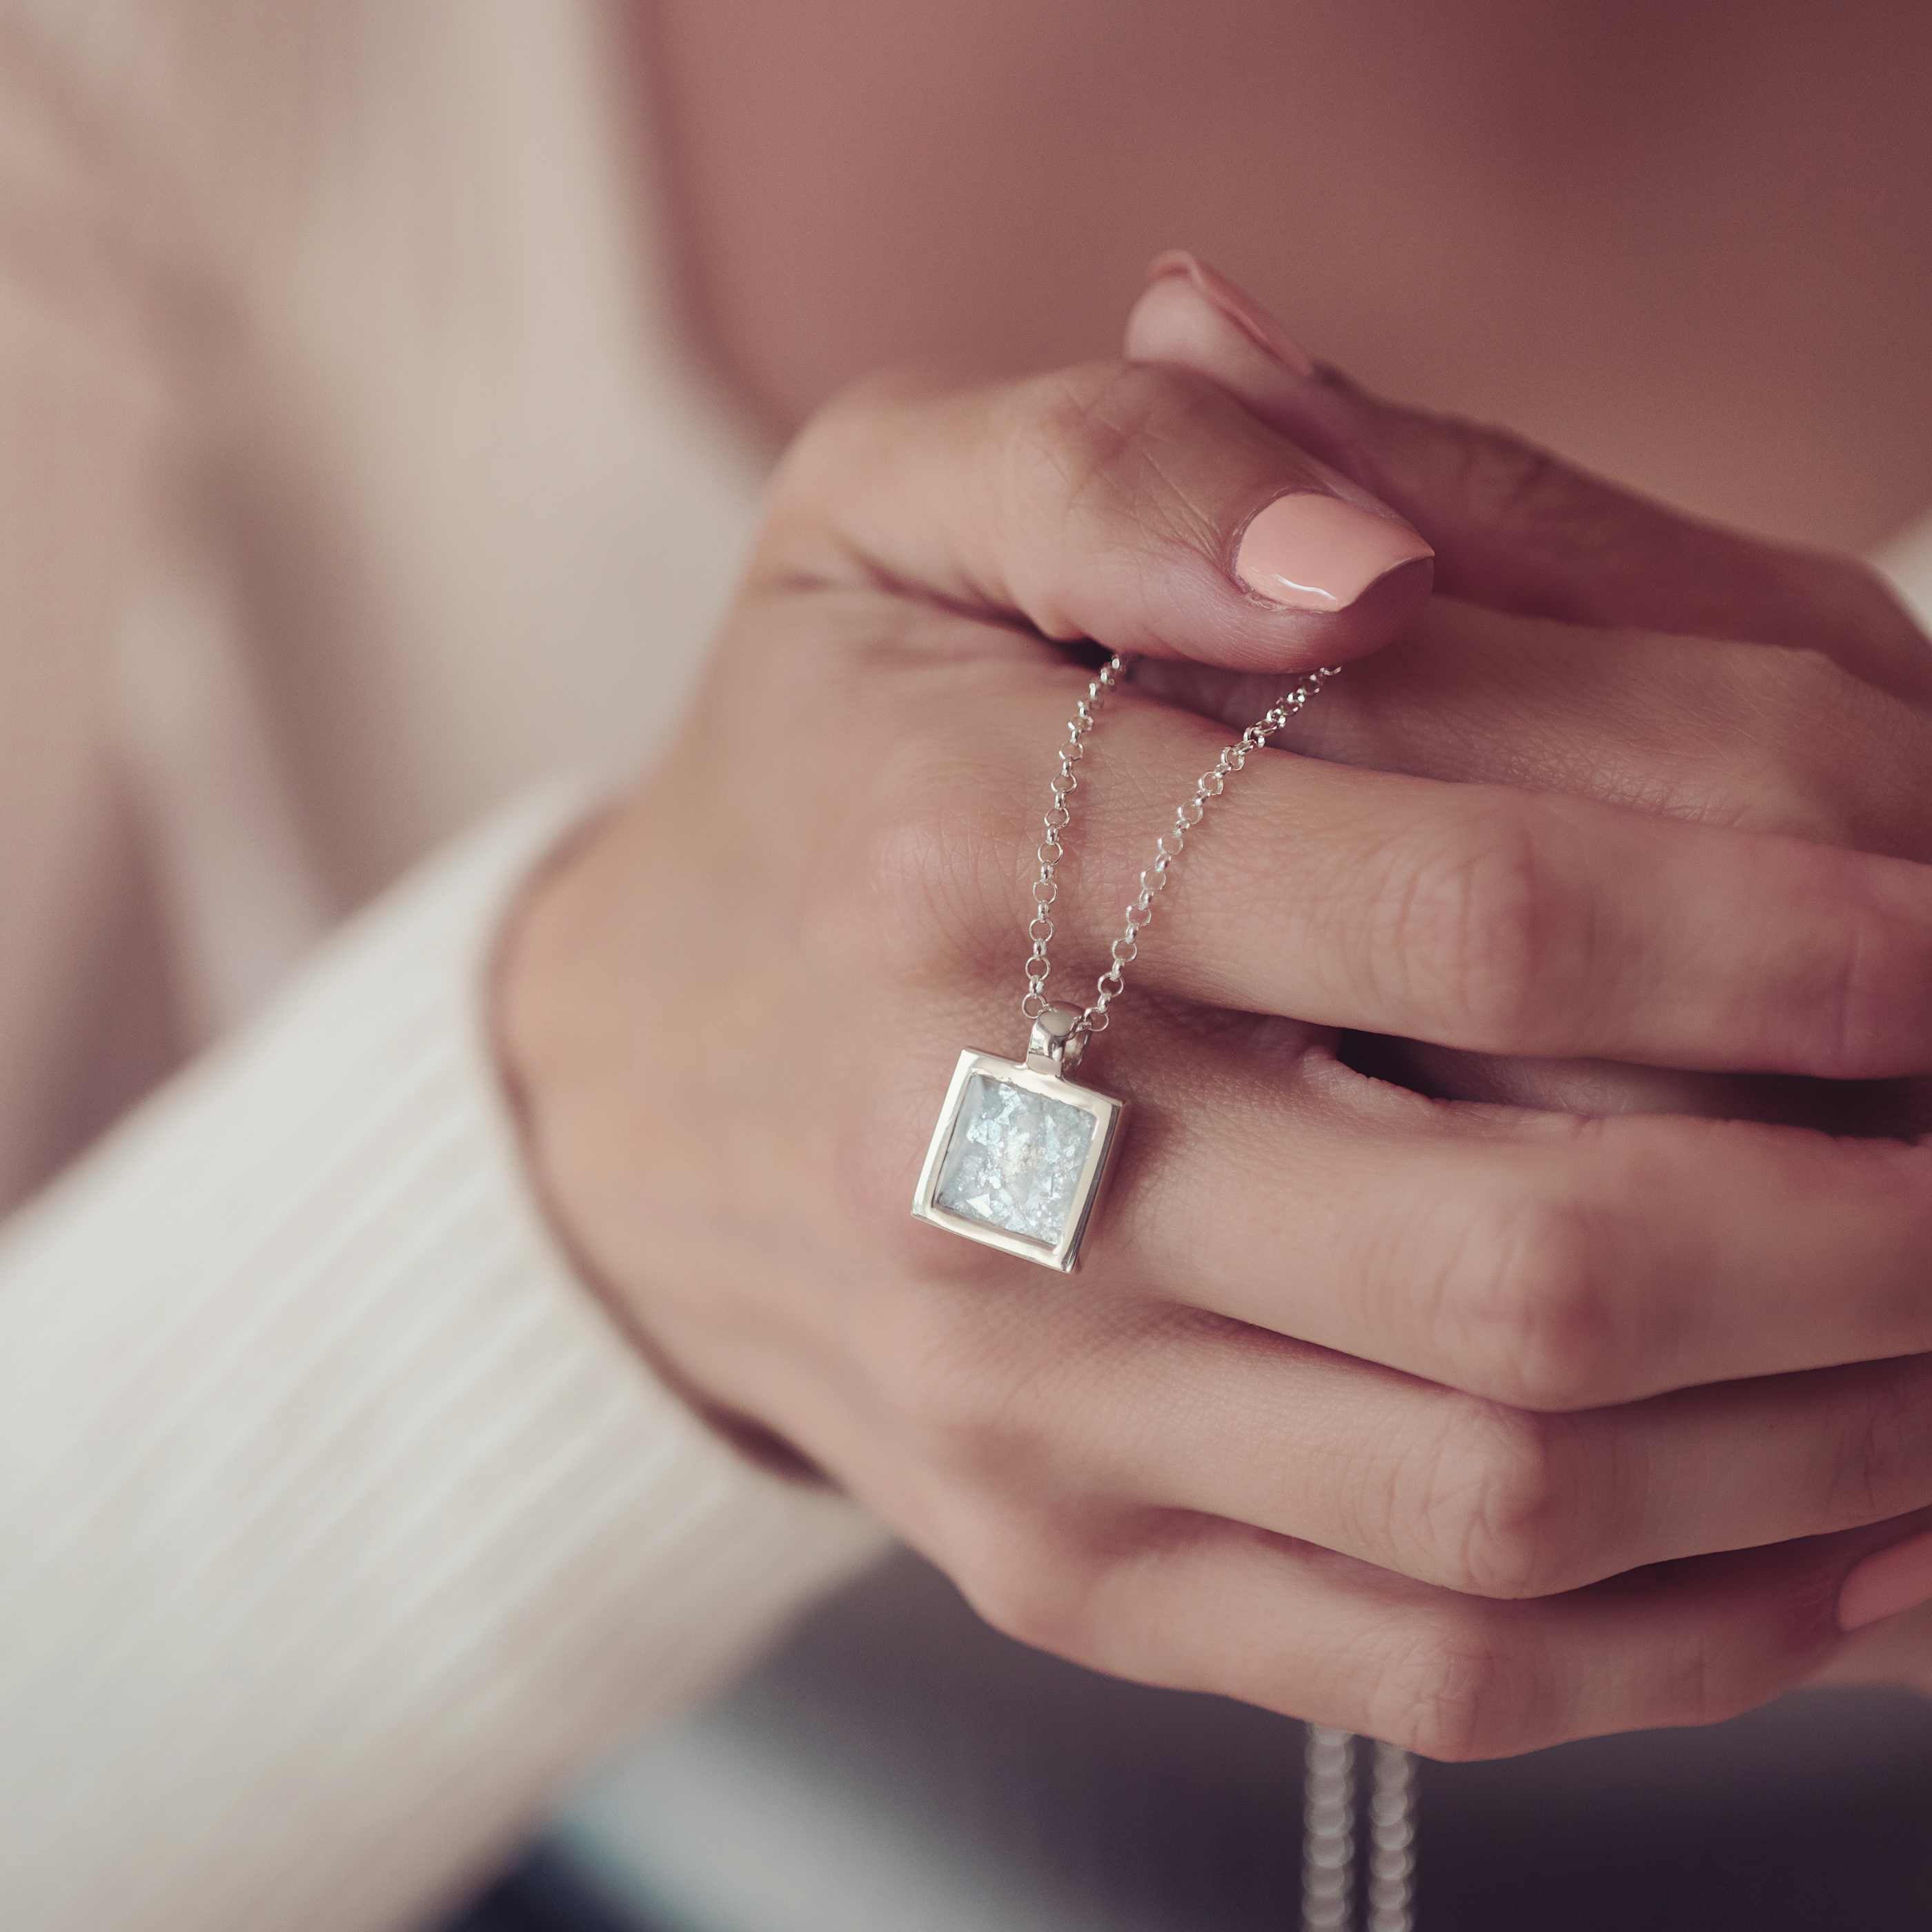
1018	1159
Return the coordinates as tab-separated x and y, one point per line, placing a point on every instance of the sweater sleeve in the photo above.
338	1526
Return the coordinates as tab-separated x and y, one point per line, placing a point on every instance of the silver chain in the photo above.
1328	1856
1391	1840
1328	1831
1153	881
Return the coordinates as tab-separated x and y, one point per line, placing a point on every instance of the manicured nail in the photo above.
1240	308
1313	552
1895	1579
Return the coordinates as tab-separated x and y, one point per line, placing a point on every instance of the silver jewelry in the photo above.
1329	1856
1018	1159
1021	1152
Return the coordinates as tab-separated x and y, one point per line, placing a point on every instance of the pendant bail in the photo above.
1059	1038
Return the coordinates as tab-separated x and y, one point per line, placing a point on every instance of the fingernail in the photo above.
1312	552
1240	308
1895	1579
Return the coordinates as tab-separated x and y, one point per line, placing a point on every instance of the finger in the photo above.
1488	1501
1535	1260
1479	917
1885	1109
1725	734
1518	529
1722	734
1212	1606
1895	1650
1146	509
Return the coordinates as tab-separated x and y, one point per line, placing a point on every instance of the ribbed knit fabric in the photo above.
338	1526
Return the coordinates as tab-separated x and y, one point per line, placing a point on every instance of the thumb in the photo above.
1144	508
1514	527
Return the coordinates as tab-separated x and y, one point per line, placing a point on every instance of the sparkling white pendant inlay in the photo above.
1019	1156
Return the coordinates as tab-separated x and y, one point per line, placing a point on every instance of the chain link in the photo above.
1391	1840
1328	1833
1050	851
1066	781
1328	1859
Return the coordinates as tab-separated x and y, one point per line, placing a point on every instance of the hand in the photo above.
1626	652
1802	708
1351	1378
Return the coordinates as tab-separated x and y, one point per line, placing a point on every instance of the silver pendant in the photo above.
1020	1155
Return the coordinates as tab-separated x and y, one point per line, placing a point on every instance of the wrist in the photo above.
549	1023
578	1076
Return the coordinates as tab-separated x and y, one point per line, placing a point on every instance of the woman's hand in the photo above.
1642	657
1352	1379
1621	652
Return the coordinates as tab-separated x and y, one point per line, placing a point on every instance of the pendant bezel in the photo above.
1108	1115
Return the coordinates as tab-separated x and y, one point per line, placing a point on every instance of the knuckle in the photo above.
1709	1677
1073	423
1814	763
1028	1584
937	872
925	1355
1450	1693
1082	448
1883	1463
1469	928
968	1390
1067	436
1496	1502
1521	1300
1095	420
1860	993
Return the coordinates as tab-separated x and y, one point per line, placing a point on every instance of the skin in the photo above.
1681	243
1473	1425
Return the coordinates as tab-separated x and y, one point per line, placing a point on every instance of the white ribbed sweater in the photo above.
347	487
337	1524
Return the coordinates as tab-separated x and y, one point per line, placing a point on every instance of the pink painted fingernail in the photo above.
1895	1579
1309	551
1241	308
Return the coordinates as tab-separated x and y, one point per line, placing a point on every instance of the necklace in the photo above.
1019	1161
1021	1152
1328	1836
